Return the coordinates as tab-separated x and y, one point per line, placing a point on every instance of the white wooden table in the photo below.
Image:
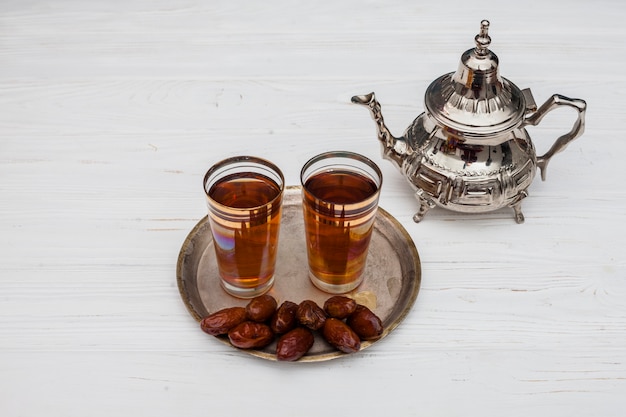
111	112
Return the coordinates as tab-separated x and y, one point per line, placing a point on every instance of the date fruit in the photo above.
339	306
342	321
250	335
294	344
223	320
341	336
310	315
365	323
261	308
284	319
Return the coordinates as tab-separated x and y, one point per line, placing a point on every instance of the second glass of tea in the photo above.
244	198
340	193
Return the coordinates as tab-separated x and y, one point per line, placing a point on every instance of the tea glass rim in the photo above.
243	158
348	156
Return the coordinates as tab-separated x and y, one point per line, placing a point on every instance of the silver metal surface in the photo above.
475	100
469	151
390	286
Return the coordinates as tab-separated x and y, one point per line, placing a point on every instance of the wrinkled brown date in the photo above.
341	336
339	306
365	323
223	320
261	308
294	344
250	335
284	319
256	325
311	315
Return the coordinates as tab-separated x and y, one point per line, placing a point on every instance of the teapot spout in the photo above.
393	149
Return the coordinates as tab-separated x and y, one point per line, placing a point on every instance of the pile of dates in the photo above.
341	321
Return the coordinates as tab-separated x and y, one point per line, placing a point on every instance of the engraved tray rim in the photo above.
387	230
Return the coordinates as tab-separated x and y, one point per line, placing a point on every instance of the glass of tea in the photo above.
340	193
244	197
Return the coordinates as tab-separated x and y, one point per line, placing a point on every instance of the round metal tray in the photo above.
390	285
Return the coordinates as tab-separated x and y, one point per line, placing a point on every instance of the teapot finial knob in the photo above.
483	39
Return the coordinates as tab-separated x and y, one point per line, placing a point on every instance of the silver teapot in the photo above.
469	151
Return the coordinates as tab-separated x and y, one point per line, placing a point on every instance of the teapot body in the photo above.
469	151
470	178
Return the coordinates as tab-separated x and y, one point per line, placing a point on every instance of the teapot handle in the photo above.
561	143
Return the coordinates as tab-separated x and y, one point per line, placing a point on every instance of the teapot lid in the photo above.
475	101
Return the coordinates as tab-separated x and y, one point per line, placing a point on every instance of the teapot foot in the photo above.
517	207
417	217
519	216
425	205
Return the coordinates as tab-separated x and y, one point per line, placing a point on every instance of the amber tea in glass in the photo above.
340	193
244	197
